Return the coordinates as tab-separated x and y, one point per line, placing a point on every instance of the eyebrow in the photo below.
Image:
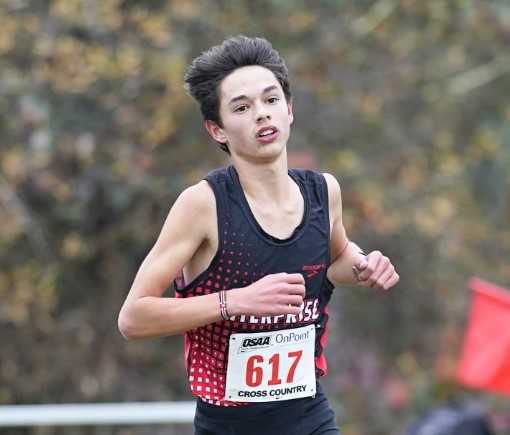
244	97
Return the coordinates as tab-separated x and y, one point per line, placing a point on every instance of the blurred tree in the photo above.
405	101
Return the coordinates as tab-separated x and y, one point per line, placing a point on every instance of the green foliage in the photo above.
404	100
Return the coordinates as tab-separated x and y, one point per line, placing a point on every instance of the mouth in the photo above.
267	134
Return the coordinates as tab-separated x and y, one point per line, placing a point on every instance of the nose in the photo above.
262	114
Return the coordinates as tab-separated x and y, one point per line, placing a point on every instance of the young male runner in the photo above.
255	251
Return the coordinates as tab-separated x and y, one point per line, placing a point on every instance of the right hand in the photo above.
272	295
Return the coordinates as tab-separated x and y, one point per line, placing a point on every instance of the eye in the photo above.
241	109
273	100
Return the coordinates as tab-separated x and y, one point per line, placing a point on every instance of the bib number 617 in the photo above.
255	366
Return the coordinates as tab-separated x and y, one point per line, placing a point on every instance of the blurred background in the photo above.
405	101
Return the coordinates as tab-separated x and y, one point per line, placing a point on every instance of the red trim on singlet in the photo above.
321	362
179	282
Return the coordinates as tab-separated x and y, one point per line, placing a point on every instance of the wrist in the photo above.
341	271
357	249
234	302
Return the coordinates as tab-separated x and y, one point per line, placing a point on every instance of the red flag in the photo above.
485	362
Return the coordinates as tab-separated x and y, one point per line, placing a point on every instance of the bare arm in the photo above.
344	253
145	312
349	265
191	221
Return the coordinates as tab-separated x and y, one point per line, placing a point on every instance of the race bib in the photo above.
269	366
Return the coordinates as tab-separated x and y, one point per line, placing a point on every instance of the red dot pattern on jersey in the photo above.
207	358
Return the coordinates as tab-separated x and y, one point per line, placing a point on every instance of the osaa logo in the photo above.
255	343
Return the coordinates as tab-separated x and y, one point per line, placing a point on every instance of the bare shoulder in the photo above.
338	235
197	198
334	192
192	216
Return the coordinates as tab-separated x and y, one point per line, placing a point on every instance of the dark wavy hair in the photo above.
205	73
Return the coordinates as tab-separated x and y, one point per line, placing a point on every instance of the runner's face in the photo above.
255	114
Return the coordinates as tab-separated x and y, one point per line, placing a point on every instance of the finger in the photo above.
282	308
393	280
382	268
356	272
295	301
386	274
295	289
373	260
294	278
362	263
291	309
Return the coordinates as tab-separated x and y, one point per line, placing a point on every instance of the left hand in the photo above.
375	270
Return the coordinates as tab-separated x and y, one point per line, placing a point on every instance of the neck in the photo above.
265	181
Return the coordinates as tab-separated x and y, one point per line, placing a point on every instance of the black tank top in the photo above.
247	253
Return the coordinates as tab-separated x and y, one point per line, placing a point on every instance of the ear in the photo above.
215	131
291	113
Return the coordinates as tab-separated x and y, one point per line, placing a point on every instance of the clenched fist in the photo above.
375	270
272	295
